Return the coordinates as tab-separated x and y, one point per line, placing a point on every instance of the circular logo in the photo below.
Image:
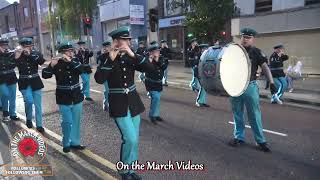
209	69
28	145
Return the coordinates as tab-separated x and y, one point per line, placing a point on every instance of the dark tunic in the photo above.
276	65
67	74
28	70
7	65
120	75
257	59
141	51
84	57
153	81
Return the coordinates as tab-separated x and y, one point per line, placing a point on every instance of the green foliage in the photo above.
207	18
72	12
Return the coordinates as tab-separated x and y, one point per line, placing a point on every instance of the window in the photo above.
263	6
26	12
309	2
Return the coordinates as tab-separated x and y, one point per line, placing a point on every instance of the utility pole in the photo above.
51	28
39	26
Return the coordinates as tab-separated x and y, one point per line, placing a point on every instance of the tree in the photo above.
73	13
206	19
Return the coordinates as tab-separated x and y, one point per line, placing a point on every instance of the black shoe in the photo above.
15	118
205	105
88	99
66	149
135	176
235	142
153	120
40	130
166	84
29	124
159	118
5	113
127	176
77	147
263	147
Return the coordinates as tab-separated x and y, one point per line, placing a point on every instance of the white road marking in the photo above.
266	130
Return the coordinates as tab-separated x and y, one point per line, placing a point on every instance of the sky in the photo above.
11	1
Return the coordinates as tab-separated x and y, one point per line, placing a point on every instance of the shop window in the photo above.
263	6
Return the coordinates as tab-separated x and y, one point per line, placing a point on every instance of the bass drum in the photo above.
225	70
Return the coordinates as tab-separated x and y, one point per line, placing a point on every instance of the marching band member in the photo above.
194	55
84	55
142	52
250	98
69	96
125	105
279	77
141	49
165	52
101	59
30	84
153	81
202	94
8	82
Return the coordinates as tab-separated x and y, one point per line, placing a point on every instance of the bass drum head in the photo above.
235	69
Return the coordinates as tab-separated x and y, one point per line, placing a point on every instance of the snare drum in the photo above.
225	70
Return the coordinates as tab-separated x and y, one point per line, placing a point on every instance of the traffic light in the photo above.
87	24
223	33
153	19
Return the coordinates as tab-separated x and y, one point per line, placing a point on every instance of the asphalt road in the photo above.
201	135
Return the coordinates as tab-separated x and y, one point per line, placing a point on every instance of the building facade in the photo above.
171	28
28	18
114	14
294	23
9	24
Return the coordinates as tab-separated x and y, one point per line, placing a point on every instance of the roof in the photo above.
4	3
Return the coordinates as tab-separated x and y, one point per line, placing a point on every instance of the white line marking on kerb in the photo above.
266	130
96	91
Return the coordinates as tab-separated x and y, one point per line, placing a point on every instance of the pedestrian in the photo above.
153	81
293	73
125	105
8	82
276	67
101	59
250	98
83	54
30	83
69	96
166	53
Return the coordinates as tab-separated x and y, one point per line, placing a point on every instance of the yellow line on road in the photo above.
74	157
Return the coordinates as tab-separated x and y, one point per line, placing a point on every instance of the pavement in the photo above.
306	91
188	133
